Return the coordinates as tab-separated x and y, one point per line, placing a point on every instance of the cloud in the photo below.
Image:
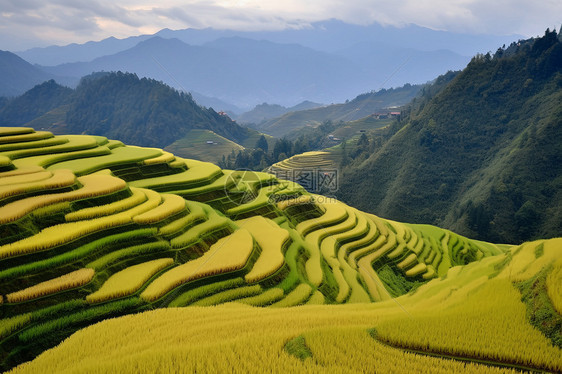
65	21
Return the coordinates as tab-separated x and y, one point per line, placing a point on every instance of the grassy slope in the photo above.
194	145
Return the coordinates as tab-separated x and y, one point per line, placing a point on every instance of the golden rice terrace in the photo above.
92	229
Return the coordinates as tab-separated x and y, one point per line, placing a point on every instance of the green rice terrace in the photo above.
212	270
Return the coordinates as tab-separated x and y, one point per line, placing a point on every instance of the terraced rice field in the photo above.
93	229
317	171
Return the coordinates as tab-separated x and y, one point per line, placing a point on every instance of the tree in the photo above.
363	142
262	143
344	156
282	146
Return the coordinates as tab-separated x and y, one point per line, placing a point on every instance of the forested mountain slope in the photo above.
119	105
361	106
142	112
34	103
481	154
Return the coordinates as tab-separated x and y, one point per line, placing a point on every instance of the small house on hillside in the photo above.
380	115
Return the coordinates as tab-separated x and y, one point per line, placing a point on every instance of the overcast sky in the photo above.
29	23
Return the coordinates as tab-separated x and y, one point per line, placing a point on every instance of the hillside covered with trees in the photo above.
119	105
480	152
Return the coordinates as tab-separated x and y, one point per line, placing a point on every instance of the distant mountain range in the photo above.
362	106
17	75
265	111
327	36
328	62
239	71
245	71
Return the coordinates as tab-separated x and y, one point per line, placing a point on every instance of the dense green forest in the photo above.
118	105
34	103
261	155
480	152
142	111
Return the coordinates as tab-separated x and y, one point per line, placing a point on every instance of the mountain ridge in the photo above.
328	36
18	75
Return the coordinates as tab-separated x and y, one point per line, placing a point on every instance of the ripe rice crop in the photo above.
271	239
49	161
8	130
24	178
25	137
128	280
330	244
60	178
229	295
78	318
327	259
165	157
71	280
44	143
5	162
265	298
68	144
361	252
92	185
137	197
114	157
496	336
226	255
127	252
372	280
153	200
171	204
188	297
9	325
408	261
98	245
60	234
296	297
348	248
261	200
314	230
417	269
303	199
196	173
334	213
317	298
554	286
196	213
221	184
214	222
239	339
